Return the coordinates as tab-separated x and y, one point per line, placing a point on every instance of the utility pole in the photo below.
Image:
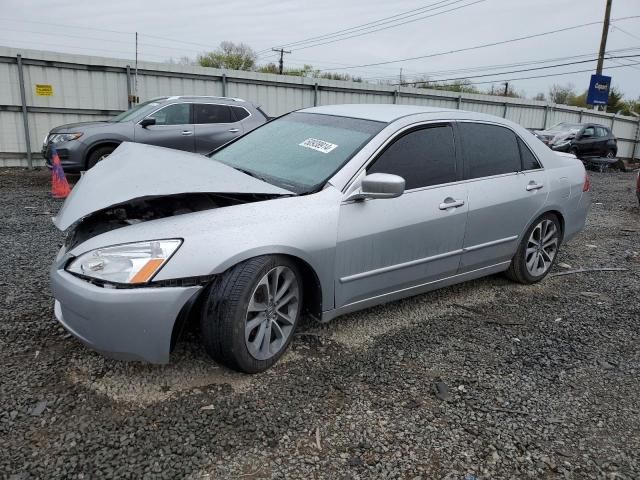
135	82
603	38
400	81
506	89
603	42
282	52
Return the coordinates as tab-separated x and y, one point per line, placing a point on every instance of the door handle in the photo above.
534	186
450	203
233	130
186	132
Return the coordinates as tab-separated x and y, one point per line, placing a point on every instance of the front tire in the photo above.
251	312
98	155
537	251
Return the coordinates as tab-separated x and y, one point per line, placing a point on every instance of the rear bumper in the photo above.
126	324
575	221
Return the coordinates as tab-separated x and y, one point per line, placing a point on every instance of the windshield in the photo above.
573	127
299	151
143	108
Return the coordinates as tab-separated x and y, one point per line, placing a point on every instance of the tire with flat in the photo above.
537	251
98	155
251	311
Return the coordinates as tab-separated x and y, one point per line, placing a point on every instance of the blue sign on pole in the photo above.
599	90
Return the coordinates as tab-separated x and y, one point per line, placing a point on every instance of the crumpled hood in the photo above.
135	171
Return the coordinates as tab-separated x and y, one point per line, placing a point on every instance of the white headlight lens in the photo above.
64	137
132	263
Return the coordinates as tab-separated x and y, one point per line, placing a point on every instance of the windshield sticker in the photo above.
318	145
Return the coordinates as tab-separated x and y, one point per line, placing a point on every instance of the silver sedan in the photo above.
321	212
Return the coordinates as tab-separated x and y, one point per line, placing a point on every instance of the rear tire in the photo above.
537	252
611	153
251	312
98	155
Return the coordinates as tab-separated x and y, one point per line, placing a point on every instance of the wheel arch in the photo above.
99	144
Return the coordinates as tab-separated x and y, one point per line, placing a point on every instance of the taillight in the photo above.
587	183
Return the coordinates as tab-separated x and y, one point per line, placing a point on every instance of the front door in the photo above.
587	142
173	128
507	188
386	245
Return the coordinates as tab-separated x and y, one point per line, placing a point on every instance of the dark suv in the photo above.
582	139
194	124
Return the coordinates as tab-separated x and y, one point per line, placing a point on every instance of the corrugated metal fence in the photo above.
93	88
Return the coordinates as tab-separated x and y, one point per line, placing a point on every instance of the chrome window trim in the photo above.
395	135
197	103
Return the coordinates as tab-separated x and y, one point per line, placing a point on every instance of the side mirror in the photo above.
147	121
379	185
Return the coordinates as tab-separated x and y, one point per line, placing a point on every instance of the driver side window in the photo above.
176	114
422	157
588	132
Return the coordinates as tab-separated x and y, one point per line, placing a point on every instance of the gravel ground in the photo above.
482	380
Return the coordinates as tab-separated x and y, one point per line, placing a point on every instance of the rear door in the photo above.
215	125
173	128
386	245
504	194
602	139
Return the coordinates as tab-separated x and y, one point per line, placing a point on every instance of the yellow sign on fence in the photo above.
44	90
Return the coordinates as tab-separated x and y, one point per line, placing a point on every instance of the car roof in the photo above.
377	112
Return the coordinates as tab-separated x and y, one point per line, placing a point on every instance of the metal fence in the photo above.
40	90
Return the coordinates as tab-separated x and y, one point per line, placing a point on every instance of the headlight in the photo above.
64	137
131	263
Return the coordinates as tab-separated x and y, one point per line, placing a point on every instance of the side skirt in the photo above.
415	290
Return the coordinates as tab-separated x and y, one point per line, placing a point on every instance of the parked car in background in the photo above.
581	139
190	123
321	212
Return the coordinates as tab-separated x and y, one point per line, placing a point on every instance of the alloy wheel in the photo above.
271	314
542	247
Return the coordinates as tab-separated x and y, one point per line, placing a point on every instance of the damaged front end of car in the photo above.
104	278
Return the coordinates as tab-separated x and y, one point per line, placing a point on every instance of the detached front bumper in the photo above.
126	324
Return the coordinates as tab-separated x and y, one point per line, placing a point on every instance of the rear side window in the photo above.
423	157
488	150
239	113
209	113
529	161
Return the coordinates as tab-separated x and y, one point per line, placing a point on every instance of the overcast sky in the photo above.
187	27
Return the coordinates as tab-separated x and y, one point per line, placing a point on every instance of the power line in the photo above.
485	45
519	71
614	27
367	25
390	26
483	68
543	76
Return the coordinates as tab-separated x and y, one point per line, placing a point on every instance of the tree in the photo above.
561	93
460	86
184	60
540	97
234	56
615	102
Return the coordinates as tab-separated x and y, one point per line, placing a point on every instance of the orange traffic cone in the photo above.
59	185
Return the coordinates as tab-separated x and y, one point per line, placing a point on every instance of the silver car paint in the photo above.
330	234
134	170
